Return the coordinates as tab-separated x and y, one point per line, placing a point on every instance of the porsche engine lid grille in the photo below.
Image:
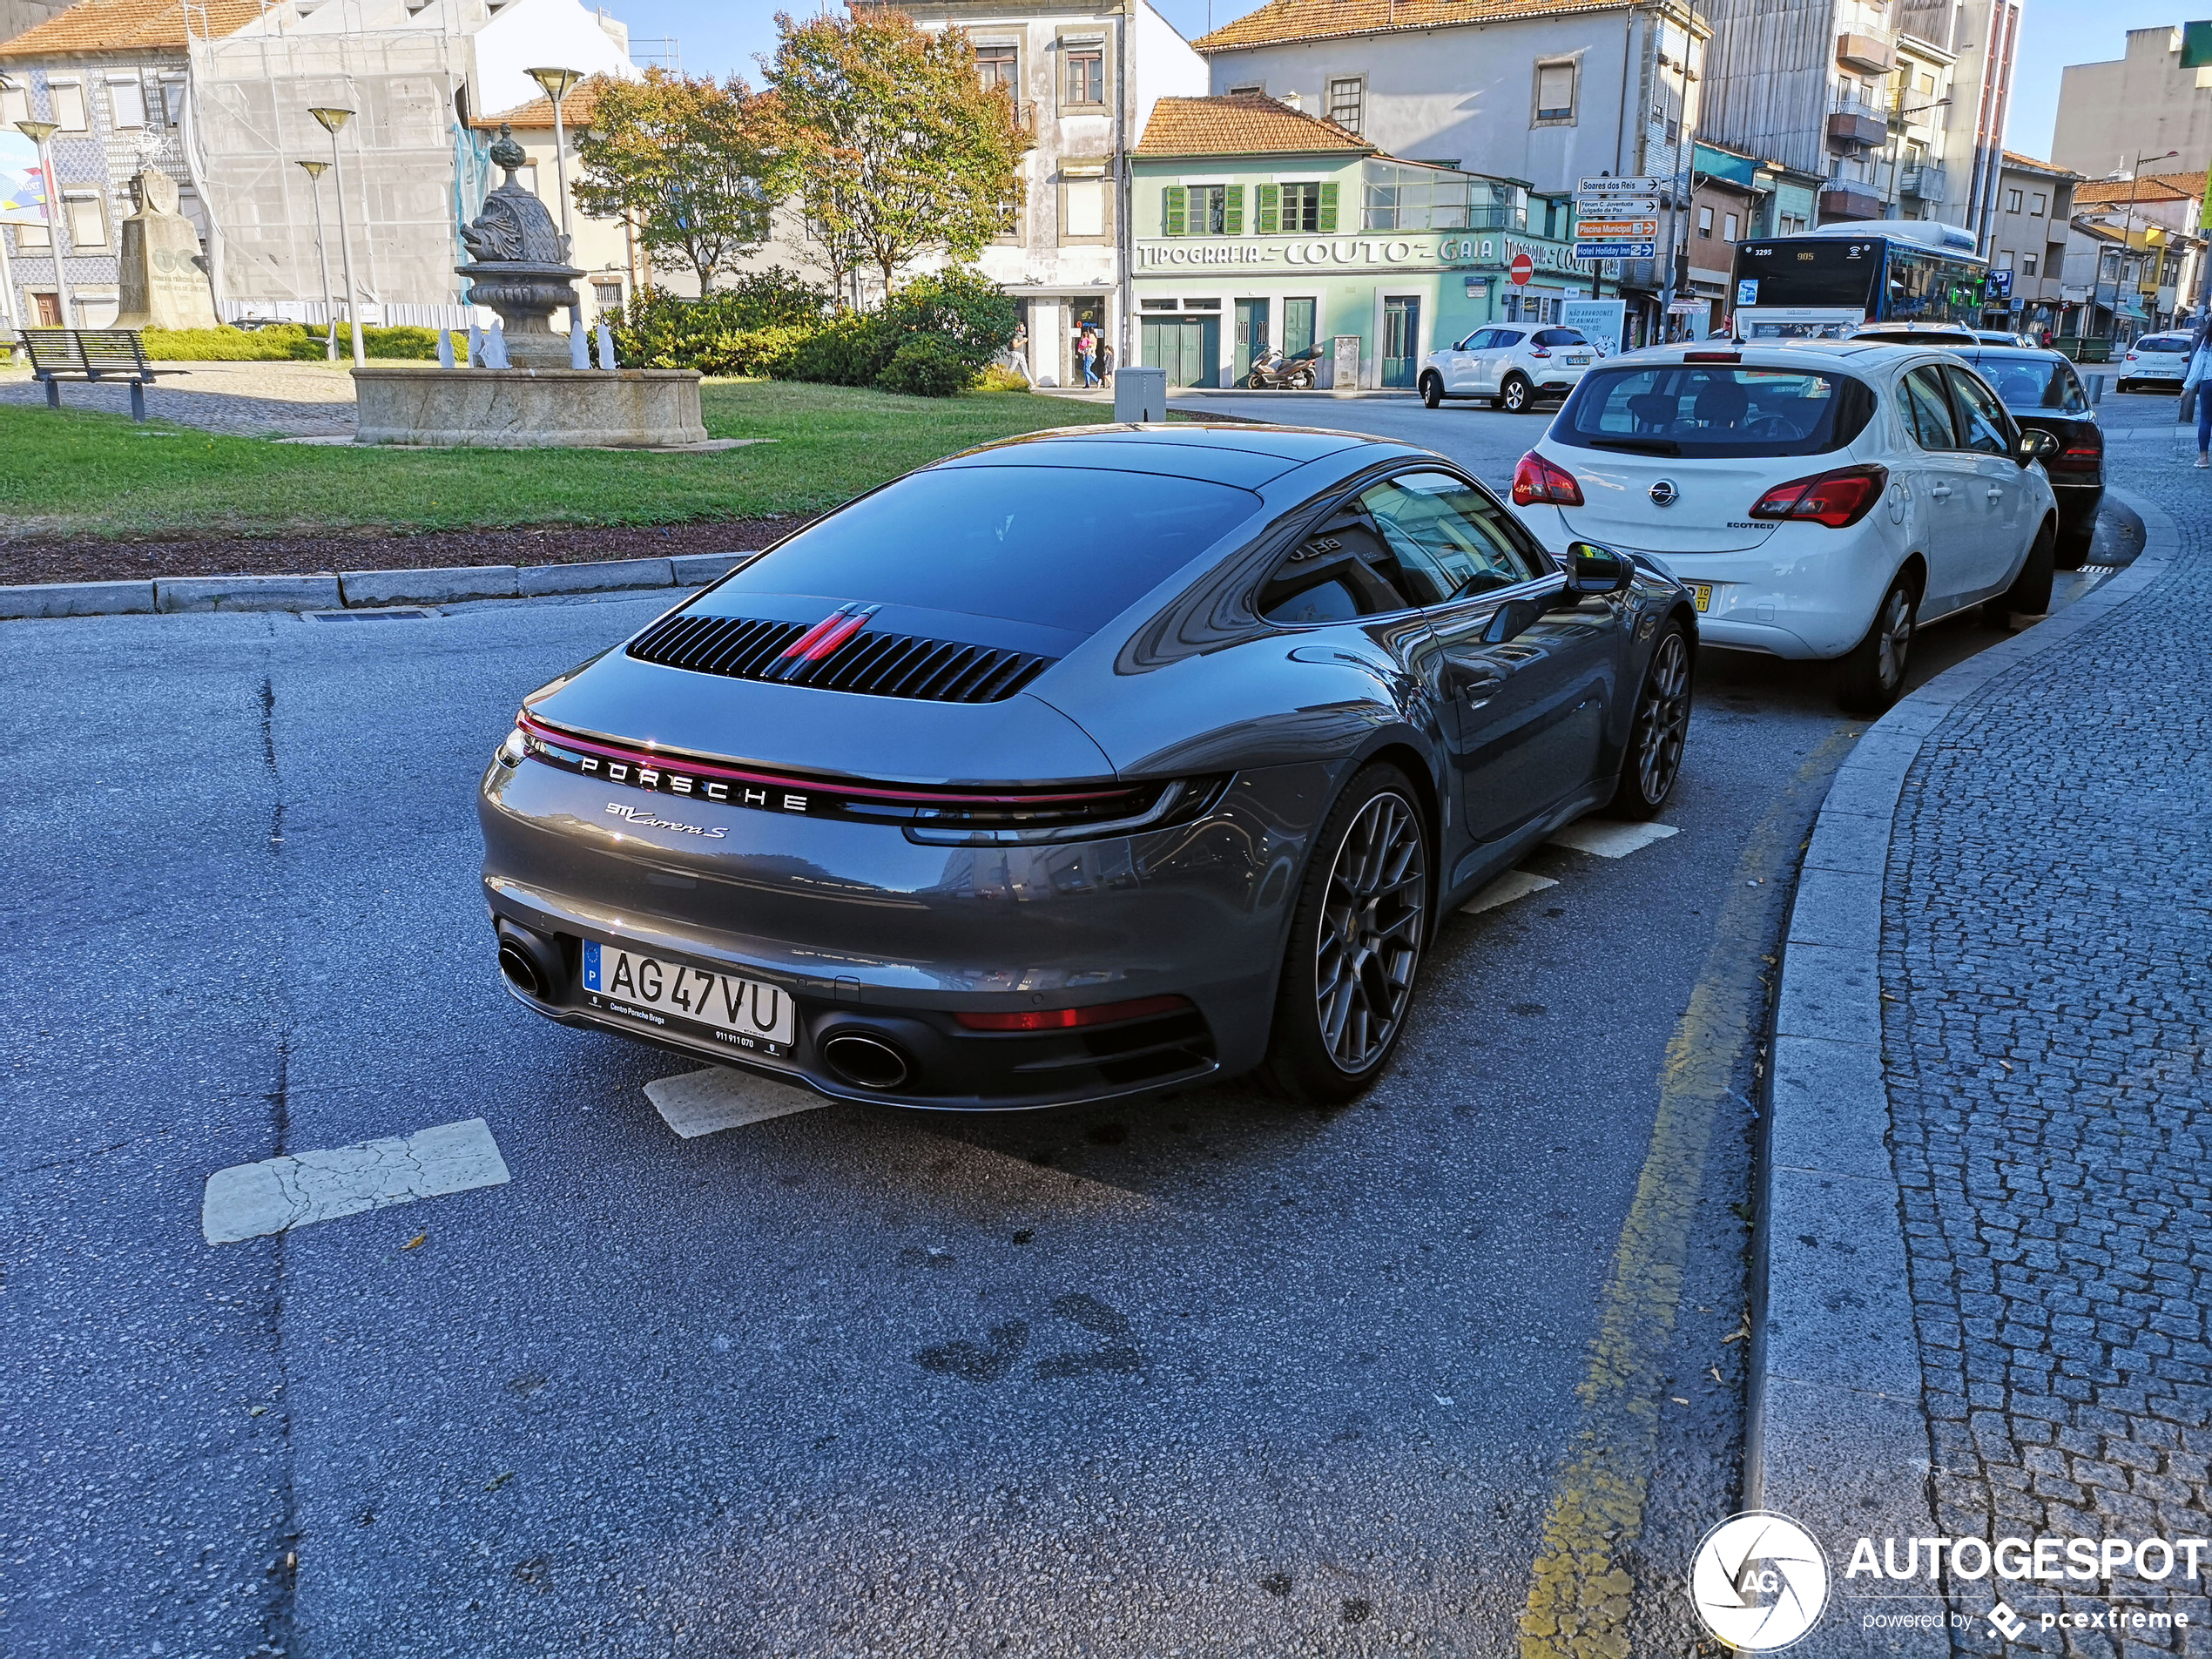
934	671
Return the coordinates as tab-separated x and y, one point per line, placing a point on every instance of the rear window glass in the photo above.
2033	385
1715	409
1561	337
2163	342
1063	547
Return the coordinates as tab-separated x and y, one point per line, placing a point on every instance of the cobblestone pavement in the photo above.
2047	932
246	399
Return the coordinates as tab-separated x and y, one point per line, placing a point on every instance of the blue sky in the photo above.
718	35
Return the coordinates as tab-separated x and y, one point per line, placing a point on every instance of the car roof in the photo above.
1781	354
1993	353
1247	456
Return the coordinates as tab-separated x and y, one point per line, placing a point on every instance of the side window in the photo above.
1449	540
1927	411
1479	341
1982	421
1344	569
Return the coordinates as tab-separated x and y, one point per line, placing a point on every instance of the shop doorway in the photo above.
1082	313
1298	327
50	309
1401	344
1251	337
1187	348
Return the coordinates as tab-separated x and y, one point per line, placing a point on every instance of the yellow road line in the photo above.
1580	1587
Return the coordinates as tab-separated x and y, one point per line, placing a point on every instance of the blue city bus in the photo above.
1822	284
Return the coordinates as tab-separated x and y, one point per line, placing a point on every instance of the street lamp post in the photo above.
332	120
314	170
556	83
56	233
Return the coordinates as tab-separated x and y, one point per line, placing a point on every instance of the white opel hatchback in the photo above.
1512	364
1821	499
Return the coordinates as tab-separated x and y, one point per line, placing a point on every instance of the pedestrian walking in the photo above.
1106	361
1087	354
2196	390
1017	353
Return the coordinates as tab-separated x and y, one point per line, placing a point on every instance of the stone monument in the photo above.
163	285
519	268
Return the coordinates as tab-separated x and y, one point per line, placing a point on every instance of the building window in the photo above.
1555	91
1791	224
1082	209
1704	222
30	235
1301	207
2028	264
995	66
2004	259
1248	92
606	293
1202	210
169	102
1728	228
1086	74
1347	101
2037	203
2011	201
68	99
15	105
127	103
87	224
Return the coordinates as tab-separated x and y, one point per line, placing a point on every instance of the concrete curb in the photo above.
1836	1435
358	589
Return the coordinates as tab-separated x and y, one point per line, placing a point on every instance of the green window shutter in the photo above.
1178	206
1232	211
1267	205
1328	207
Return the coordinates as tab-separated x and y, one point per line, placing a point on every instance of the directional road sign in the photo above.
1616	206
1617	230
1616	250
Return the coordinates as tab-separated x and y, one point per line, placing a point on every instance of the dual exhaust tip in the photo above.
533	964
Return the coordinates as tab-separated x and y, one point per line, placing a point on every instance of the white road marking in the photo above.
1513	884
1611	841
704	1102
251	1200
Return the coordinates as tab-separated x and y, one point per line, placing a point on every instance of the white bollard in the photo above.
579	350
445	348
607	347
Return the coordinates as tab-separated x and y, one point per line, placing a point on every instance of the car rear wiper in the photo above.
1641	446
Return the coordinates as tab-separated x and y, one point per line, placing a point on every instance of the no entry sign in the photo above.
1521	270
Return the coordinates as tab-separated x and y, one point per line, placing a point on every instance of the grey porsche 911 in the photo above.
1087	764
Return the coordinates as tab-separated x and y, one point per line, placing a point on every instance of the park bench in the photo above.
88	354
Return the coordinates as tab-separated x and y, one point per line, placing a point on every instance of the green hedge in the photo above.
284	342
775	325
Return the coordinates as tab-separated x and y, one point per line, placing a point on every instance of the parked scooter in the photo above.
1272	371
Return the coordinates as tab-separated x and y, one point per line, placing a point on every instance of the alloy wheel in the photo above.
1516	396
1663	722
1369	940
1896	638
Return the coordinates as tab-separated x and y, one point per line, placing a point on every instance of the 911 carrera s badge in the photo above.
646	818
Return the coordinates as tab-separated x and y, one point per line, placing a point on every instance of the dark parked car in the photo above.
1085	765
2041	392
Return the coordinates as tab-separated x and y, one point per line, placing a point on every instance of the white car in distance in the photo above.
1512	364
2160	359
1820	499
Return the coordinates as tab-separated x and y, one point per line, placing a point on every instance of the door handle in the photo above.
1941	492
1996	494
1477	684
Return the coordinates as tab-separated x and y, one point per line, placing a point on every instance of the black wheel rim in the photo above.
1663	721
1369	941
1894	638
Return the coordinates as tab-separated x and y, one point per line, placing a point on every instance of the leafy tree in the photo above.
693	164
899	148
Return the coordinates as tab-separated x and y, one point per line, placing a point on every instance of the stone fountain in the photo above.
519	268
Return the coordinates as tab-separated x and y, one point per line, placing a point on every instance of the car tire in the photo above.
1432	390
2074	542
1870	676
2030	594
1652	762
1516	397
1355	946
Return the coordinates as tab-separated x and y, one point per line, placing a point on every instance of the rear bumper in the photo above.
869	933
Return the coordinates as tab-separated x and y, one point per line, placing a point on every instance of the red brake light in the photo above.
1537	480
1062	1019
2075	458
1712	357
1539	351
1836	499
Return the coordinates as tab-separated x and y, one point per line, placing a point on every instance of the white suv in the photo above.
1819	499
1512	364
2162	358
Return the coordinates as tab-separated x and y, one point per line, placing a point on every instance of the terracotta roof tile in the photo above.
2013	158
2189	184
1283	20
127	25
1240	124
2139	190
577	104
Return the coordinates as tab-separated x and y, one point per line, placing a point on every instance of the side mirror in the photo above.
1594	569
2034	447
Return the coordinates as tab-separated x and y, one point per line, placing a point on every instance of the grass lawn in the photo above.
80	475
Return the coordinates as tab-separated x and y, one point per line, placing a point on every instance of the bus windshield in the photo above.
1814	272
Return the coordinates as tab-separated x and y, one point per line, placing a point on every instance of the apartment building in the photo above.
1085	78
2127	112
2027	235
1969	109
1542	91
2157	218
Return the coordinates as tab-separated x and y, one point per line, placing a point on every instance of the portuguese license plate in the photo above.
742	1012
1701	595
1577	362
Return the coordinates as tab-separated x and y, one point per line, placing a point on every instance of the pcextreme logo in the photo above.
1759	1581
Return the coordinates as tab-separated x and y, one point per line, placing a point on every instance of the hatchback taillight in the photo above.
1536	480
1539	351
1837	499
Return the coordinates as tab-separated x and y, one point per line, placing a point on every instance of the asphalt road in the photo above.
1206	1376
